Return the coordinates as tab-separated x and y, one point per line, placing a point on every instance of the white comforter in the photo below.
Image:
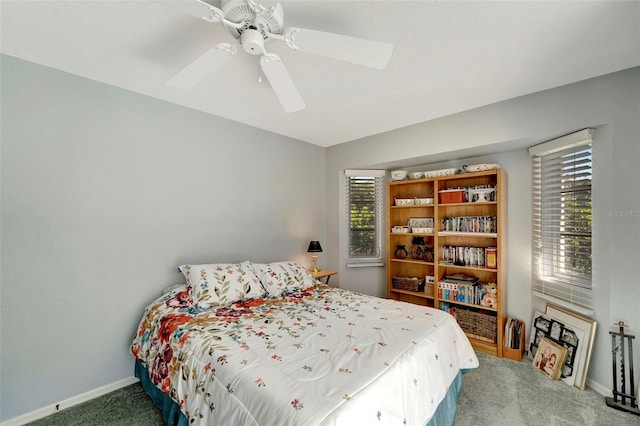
320	356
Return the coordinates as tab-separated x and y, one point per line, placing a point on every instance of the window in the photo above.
364	216
561	184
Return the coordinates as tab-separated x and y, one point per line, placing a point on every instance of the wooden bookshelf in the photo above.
495	237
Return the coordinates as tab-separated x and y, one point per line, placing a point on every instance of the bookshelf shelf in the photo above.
464	268
470	305
412	293
419	262
468	234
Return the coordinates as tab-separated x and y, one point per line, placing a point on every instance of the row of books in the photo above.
460	288
444	306
485	224
460	292
513	328
470	256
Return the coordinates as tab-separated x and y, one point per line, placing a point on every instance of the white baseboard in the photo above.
69	402
602	390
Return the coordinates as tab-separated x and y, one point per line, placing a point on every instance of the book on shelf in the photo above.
491	258
462	278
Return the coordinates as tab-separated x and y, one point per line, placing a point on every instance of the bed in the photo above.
266	344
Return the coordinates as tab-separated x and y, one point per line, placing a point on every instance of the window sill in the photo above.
565	304
365	264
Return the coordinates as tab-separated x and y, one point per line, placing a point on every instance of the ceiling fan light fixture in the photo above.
252	42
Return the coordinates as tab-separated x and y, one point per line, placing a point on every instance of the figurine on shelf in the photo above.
401	251
490	295
418	248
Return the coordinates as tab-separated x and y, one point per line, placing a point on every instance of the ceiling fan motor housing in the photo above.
263	20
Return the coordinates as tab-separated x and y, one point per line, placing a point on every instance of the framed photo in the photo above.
565	335
584	330
550	358
556	330
540	330
573	340
542	323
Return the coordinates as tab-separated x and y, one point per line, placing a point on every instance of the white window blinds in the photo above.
364	216
561	185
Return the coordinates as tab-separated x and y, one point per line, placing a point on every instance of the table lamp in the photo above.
314	247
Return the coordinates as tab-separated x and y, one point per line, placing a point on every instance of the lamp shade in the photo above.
314	247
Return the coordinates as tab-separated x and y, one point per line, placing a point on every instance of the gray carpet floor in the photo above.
505	392
499	392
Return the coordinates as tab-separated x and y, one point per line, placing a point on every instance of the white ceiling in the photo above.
449	56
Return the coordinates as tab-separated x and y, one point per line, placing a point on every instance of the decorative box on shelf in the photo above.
420	222
400	229
424	201
405	201
448	196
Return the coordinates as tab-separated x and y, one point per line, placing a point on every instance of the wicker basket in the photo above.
478	326
407	283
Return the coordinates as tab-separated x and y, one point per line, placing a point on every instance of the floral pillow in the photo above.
221	283
283	277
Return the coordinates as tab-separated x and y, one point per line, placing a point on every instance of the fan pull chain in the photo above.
259	73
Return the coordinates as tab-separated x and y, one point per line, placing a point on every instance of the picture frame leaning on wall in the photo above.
580	325
550	358
566	335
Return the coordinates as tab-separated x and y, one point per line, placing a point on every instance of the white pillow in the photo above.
221	284
279	278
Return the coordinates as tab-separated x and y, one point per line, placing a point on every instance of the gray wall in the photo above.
500	133
104	193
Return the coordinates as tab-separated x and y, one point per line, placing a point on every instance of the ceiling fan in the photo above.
254	25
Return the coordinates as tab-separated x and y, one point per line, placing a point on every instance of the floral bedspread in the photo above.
318	356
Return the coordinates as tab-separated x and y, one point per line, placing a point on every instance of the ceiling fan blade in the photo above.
204	65
281	82
375	54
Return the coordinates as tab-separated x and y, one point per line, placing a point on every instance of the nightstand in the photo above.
323	273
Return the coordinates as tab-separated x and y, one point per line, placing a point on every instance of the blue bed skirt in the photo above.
172	416
446	413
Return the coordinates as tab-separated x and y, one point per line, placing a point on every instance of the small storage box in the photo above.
405	201
407	283
429	284
515	354
448	196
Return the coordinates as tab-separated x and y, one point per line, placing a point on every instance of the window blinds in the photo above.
364	214
561	189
